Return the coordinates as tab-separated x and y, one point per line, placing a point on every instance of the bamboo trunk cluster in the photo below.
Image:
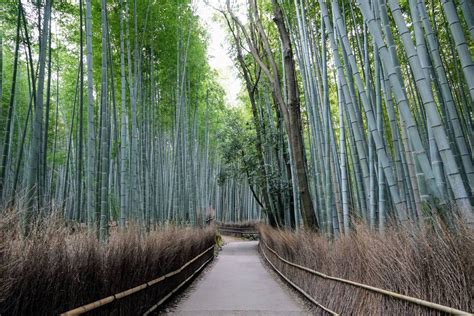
118	162
388	106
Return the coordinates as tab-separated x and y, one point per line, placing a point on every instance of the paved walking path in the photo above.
239	284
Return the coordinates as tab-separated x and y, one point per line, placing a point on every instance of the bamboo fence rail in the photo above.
435	306
109	299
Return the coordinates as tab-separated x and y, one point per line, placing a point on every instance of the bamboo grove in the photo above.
109	113
362	110
353	111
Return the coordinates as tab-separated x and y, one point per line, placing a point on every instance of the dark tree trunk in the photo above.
294	122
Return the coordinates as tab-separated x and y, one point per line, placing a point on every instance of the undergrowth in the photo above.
61	266
436	265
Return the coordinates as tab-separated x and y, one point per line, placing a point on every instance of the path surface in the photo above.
239	284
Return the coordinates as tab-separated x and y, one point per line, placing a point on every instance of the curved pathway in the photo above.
239	284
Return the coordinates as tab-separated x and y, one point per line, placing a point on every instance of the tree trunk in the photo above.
294	124
34	195
91	152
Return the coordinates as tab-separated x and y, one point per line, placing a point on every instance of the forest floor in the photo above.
239	284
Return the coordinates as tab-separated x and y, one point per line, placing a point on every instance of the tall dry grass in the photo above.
59	267
432	264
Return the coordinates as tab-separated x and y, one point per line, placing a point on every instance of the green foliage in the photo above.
235	142
163	29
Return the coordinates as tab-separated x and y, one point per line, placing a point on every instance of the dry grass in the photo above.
434	265
59	267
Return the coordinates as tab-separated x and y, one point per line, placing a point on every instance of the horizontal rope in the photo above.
109	299
309	297
439	307
154	307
